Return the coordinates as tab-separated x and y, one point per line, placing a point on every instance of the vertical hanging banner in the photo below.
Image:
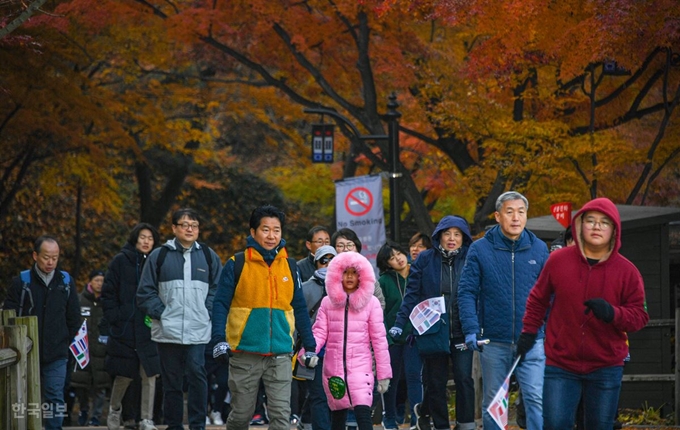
562	213
359	206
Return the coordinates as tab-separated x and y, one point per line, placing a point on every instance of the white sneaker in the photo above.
207	420
216	418
147	425
113	420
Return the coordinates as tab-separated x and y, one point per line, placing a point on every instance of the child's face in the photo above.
350	279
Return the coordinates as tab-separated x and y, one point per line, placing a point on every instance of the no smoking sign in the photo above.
359	201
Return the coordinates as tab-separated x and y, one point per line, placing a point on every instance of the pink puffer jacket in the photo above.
349	325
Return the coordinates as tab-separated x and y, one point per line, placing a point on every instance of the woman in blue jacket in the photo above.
435	273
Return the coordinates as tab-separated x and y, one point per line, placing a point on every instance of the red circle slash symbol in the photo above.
359	201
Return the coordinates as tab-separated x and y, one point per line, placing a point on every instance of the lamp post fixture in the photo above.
392	139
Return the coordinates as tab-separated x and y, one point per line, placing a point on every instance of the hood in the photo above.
359	298
452	221
608	208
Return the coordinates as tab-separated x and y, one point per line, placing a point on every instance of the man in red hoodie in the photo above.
595	296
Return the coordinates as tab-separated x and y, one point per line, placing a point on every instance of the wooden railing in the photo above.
19	372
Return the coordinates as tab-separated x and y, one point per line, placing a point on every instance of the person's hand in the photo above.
311	359
471	342
525	342
601	309
395	332
222	352
383	385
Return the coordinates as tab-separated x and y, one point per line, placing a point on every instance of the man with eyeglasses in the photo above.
595	296
317	237
176	291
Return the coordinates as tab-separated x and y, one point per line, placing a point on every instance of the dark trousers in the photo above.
435	376
178	361
316	400
362	414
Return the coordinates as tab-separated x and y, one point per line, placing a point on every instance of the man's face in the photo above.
451	239
268	233
48	257
597	229
186	231
319	239
512	218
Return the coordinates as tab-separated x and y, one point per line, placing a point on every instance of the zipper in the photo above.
344	351
271	313
512	340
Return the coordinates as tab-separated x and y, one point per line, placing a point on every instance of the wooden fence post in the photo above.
33	396
5	406
17	376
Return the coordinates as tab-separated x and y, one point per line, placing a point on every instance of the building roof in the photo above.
547	228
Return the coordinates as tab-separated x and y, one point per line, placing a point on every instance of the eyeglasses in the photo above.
591	223
342	246
322	242
187	226
325	259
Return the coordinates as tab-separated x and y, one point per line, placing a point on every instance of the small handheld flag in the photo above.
498	409
80	346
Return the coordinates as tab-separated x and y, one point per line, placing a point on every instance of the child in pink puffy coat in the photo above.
349	323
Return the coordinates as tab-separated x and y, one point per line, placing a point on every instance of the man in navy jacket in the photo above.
500	270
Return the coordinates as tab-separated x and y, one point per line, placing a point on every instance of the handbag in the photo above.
436	339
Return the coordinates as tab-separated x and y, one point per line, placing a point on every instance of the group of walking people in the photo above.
174	310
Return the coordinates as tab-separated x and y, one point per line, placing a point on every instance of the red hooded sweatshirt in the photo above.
576	341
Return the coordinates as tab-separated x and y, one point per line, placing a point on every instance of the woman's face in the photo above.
145	241
451	239
397	261
416	249
350	279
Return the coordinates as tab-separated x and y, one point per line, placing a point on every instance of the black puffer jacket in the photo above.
94	374
129	338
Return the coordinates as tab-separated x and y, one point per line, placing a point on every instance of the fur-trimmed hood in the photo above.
337	266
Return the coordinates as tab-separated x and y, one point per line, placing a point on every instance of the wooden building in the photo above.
650	239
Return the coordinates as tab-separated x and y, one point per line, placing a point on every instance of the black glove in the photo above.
222	352
525	342
601	309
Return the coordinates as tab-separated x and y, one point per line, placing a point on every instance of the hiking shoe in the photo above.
82	418
113	420
258	420
216	418
423	422
147	425
94	422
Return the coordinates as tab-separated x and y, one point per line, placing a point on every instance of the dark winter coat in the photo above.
495	284
129	338
55	305
430	277
94	374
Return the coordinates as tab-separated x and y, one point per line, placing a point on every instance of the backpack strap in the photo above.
159	261
239	262
25	276
208	259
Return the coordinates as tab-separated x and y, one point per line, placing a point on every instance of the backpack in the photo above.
25	276
206	252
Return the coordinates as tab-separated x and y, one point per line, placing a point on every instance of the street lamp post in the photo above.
395	175
392	139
